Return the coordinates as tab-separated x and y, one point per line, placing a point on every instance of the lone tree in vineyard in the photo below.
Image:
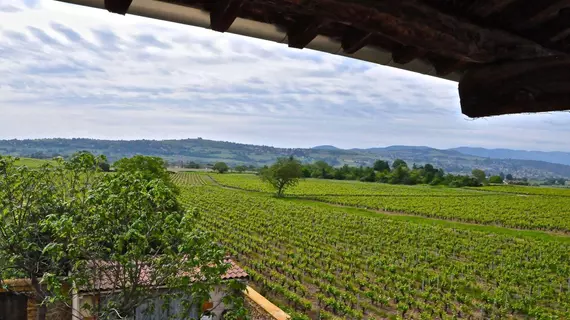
221	167
479	175
284	173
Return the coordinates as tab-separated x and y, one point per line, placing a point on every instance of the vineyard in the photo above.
316	187
509	206
191	179
326	263
525	212
547	191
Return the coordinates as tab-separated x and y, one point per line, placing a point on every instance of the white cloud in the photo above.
70	71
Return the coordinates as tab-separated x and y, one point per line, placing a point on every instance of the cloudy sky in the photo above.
69	71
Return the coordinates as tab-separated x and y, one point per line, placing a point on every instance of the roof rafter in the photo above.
484	8
411	22
302	32
405	54
118	6
354	39
224	14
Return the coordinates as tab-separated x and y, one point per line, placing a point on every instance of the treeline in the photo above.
216	166
397	173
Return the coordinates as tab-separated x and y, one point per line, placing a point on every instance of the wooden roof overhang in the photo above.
509	56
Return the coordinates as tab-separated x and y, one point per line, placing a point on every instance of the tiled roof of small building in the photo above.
234	272
106	280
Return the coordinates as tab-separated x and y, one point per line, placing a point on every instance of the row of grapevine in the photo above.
319	187
524	212
547	191
191	179
481	205
336	264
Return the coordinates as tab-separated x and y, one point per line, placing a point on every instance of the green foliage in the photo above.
495	179
105	166
189	165
30	199
319	169
479	175
240	168
401	174
155	233
221	167
381	165
399	163
150	167
457	181
284	173
67	223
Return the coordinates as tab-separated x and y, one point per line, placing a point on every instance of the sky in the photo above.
70	71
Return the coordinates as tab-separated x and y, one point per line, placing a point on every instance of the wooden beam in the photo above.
354	39
544	10
118	6
413	23
444	66
224	14
563	14
520	15
551	30
405	54
302	32
484	8
537	85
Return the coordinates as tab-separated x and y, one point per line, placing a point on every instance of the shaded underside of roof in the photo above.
450	39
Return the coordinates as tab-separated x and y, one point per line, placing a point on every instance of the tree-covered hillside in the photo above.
209	152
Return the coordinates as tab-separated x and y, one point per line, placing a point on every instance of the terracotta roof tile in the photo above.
234	272
108	277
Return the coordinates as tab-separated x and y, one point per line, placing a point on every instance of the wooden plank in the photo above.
224	14
413	23
537	85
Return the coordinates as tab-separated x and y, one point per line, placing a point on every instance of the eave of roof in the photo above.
508	56
195	17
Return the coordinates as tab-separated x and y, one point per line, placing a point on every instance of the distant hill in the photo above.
325	147
554	157
209	151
